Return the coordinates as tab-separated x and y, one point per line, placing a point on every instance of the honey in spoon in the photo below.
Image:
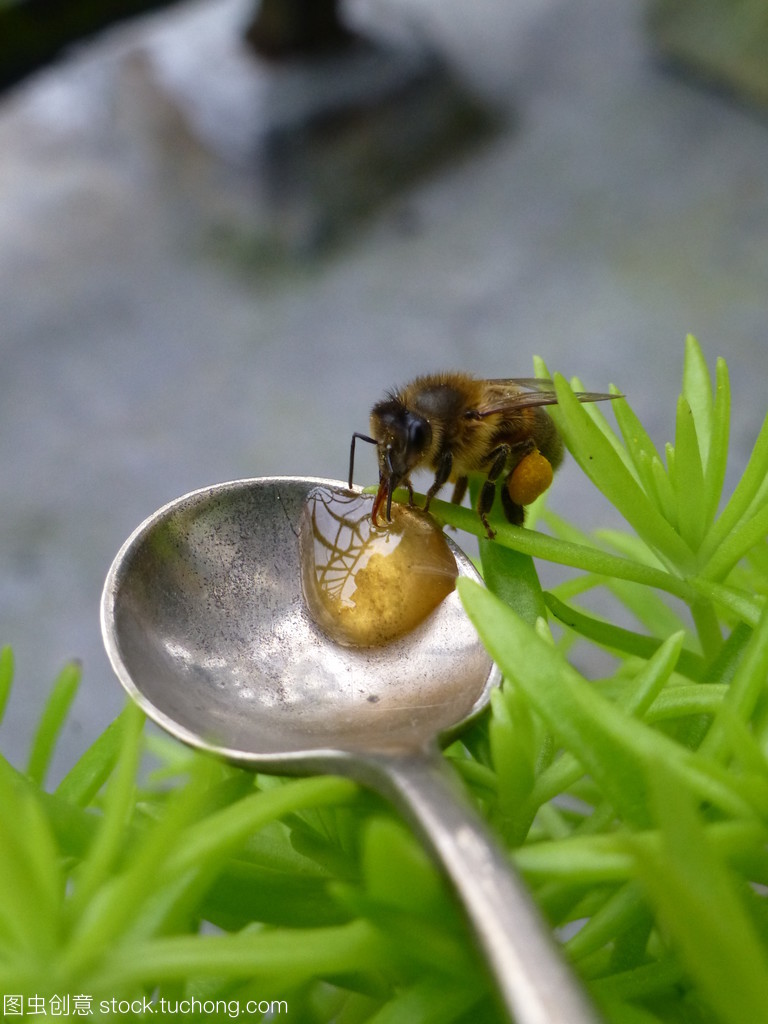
367	585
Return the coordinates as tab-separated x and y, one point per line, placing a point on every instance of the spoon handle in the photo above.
535	983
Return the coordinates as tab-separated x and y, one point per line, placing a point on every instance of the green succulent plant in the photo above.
635	804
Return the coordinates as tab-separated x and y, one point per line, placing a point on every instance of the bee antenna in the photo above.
363	437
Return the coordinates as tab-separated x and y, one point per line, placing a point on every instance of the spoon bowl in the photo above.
206	626
205	623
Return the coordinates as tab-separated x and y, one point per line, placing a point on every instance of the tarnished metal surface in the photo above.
206	626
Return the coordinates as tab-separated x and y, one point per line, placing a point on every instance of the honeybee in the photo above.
455	424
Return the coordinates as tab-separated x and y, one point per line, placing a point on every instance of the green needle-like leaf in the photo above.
598	417
397	870
689	477
513	753
617	638
599	460
288	954
610	856
648	607
646	686
611	746
552	549
717	455
663	489
697	392
30	880
640	447
110	839
6	677
681	701
51	721
747	607
224	831
750	531
429	1001
746	491
746	688
512	576
620	911
131	887
702	909
88	775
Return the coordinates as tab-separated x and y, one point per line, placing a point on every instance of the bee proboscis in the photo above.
455	424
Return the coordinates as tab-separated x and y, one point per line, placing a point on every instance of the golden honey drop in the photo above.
368	585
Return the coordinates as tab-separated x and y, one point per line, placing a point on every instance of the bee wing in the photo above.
510	393
528	383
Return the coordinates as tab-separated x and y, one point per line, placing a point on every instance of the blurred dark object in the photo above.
35	32
367	125
288	28
294	129
724	42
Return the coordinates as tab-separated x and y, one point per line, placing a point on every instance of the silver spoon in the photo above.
205	625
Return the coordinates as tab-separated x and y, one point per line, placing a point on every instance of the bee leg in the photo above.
459	490
522	448
484	505
362	437
515	513
444	466
491	533
488	492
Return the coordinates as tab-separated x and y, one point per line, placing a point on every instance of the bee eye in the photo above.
418	433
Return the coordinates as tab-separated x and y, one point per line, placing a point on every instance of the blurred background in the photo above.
226	229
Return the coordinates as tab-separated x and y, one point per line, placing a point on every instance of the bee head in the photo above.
402	439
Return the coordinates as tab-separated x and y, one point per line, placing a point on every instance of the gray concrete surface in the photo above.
142	357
